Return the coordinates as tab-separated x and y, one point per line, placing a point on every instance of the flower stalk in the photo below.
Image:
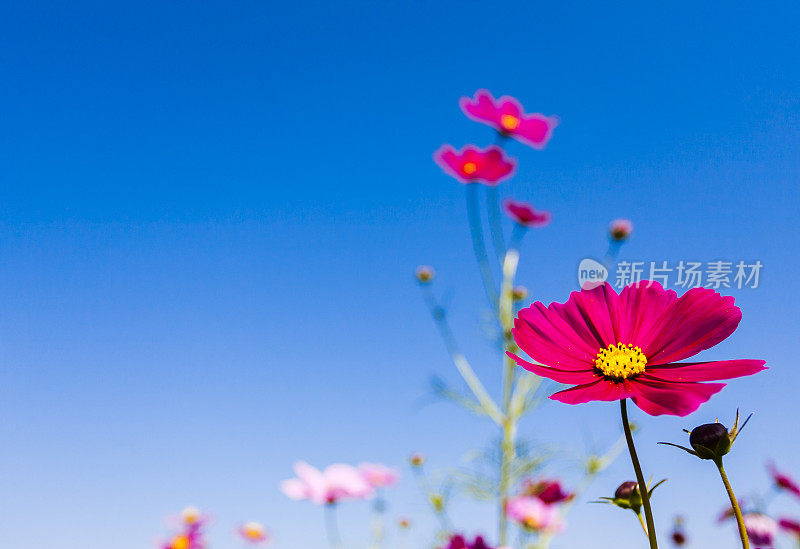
648	513
737	511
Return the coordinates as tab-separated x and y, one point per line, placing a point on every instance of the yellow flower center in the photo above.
621	361
253	531
509	122
180	542
470	168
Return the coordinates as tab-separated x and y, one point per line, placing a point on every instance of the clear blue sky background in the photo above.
210	213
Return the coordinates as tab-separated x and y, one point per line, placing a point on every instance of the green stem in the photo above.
495	224
648	513
478	245
734	504
332	526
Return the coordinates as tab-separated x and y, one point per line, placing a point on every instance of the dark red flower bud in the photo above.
710	441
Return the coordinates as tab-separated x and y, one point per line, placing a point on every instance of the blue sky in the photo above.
210	213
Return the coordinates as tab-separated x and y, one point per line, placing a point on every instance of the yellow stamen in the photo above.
470	168
180	542
509	122
621	361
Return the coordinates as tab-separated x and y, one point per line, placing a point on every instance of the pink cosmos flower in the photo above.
613	347
783	481
620	229
507	117
548	491
460	542
761	529
253	533
534	514
524	214
336	482
474	165
378	475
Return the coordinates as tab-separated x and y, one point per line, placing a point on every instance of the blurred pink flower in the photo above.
791	526
378	475
783	481
761	529
336	482
253	533
524	214
620	229
507	117
474	165
548	490
534	514
460	542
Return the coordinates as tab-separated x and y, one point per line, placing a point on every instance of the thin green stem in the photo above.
641	521
332	526
648	513
737	511
495	223
478	245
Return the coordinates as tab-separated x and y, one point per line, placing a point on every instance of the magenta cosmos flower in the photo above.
378	475
506	116
791	526
533	514
474	165
336	482
524	214
460	542
548	491
253	533
613	347
783	481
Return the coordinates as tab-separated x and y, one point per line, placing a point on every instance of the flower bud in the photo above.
519	293
404	523
620	229
710	441
424	274
417	460
628	496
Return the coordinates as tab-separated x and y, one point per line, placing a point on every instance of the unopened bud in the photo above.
620	229
519	293
417	460
710	441
424	274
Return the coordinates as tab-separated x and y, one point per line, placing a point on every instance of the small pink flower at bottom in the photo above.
611	346
761	529
460	542
783	481
254	533
336	482
507	117
534	514
524	214
620	229
474	165
378	475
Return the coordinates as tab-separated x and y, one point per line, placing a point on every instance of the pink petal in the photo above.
706	371
642	307
548	338
597	390
535	130
294	488
591	314
658	397
481	108
698	320
561	376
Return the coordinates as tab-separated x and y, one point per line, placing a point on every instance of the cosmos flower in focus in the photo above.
549	491
378	475
533	514
335	483
507	117
524	214
474	165
612	347
761	529
620	229
460	542
253	532
783	481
